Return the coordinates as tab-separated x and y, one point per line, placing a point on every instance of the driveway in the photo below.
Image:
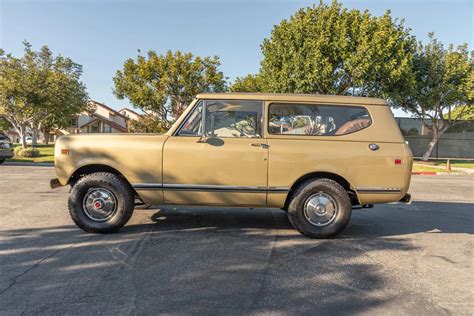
392	259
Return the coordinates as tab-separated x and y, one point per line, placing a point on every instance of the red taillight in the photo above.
398	161
65	152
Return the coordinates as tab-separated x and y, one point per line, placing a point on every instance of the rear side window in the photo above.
316	120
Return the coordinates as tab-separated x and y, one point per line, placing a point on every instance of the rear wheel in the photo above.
2	161
320	208
101	202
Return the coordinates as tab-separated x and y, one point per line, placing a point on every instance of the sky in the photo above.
101	35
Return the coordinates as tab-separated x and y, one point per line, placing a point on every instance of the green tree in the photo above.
147	123
463	112
327	49
165	84
249	83
13	104
39	88
4	124
65	94
443	90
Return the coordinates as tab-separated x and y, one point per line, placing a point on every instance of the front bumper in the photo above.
54	183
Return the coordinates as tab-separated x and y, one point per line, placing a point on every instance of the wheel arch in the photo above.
320	175
93	168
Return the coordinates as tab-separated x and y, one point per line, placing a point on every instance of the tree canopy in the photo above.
443	90
147	123
166	84
328	49
462	112
249	83
39	88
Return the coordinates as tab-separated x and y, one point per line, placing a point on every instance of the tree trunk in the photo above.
430	148
434	140
35	136
21	130
45	130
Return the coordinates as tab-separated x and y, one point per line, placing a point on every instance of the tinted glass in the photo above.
316	120
234	118
193	124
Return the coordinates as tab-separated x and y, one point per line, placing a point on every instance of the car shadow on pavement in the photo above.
380	221
222	261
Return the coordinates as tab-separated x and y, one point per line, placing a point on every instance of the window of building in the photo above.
73	122
95	128
316	120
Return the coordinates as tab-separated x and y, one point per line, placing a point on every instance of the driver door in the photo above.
217	156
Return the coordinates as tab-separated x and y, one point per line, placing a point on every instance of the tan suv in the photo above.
314	156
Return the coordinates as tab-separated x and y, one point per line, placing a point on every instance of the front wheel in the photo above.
2	161
101	202
320	208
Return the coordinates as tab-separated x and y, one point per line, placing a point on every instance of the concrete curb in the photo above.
432	173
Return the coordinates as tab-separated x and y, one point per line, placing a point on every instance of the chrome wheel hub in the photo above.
99	204
320	209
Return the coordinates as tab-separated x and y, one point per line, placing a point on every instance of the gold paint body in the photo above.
157	160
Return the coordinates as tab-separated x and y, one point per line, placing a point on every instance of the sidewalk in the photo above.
458	169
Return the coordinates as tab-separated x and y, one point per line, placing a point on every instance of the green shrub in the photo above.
28	153
16	150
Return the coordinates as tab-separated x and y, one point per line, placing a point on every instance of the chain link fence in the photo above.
456	142
458	145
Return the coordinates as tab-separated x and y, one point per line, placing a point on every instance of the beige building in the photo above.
103	120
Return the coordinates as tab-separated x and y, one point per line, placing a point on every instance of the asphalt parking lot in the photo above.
392	259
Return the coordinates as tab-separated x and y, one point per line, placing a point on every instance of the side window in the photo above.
233	118
193	124
317	120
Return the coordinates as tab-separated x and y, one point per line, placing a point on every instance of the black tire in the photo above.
121	191
296	212
2	161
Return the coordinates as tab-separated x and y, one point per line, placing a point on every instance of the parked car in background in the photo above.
6	148
314	156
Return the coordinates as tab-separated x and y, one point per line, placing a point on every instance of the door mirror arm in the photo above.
203	139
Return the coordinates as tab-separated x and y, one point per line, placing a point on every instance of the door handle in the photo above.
263	145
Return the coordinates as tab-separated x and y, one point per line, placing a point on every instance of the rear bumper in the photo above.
6	153
406	199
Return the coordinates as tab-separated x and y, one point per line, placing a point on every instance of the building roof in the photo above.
293	97
110	109
129	110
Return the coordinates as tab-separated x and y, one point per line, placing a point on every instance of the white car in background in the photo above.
6	148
